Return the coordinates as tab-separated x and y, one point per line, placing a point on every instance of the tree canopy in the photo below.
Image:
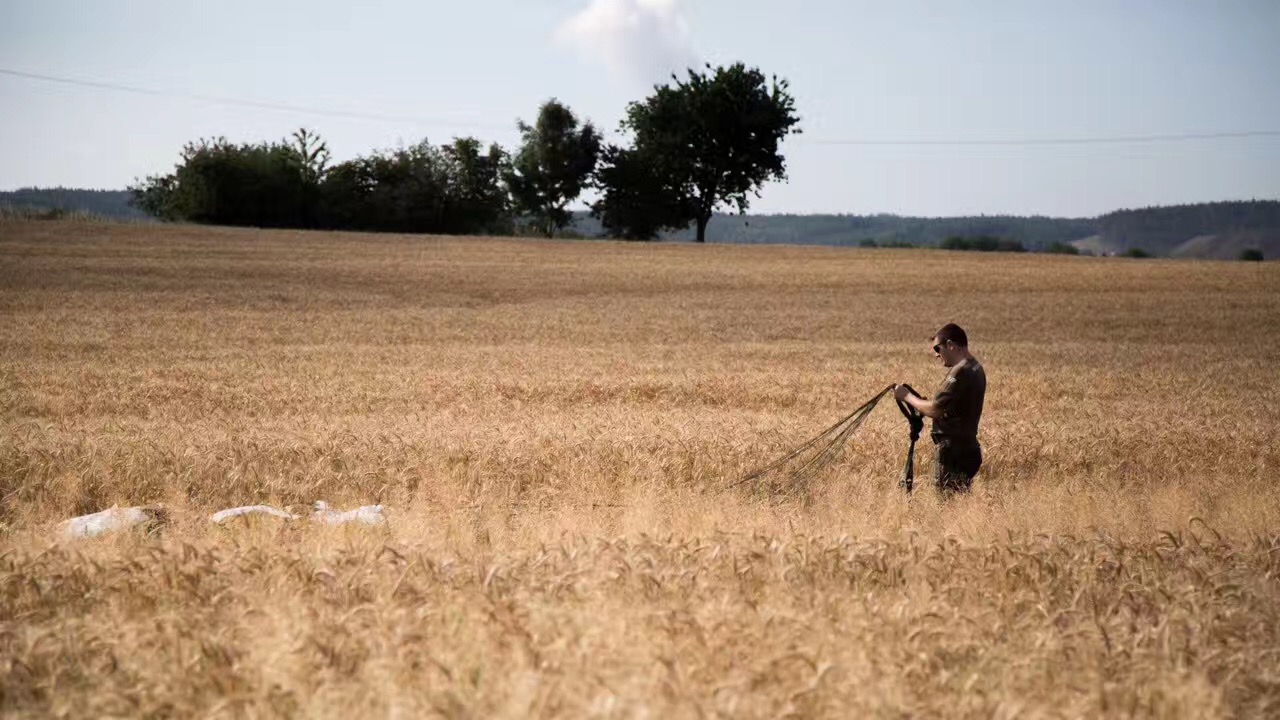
222	183
553	166
711	140
454	188
706	142
639	199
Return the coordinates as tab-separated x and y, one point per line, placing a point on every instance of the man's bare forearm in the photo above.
924	407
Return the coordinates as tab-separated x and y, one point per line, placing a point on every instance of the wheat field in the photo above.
556	429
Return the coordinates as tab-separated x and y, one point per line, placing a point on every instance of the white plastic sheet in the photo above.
364	515
223	516
110	520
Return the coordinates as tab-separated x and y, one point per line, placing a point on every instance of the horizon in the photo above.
1004	110
755	213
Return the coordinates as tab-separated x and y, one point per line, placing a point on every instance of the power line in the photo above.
447	122
1113	140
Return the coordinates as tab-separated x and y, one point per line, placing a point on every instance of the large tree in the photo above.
637	199
554	163
311	156
475	201
713	138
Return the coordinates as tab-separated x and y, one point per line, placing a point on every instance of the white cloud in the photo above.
642	41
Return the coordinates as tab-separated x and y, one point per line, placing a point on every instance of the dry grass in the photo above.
554	427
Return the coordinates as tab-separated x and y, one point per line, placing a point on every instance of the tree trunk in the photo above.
702	227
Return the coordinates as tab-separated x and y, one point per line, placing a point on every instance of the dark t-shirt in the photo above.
959	404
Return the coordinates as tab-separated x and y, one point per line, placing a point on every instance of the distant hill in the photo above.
850	230
1219	230
1229	245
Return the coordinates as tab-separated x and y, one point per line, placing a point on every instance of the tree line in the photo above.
106	203
706	142
1260	238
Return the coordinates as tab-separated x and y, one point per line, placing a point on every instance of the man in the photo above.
955	409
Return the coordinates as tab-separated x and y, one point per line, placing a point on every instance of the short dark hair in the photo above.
954	334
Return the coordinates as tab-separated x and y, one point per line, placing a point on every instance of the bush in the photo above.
221	183
982	243
868	243
1251	255
1136	253
1061	248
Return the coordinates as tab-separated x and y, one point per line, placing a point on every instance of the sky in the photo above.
919	108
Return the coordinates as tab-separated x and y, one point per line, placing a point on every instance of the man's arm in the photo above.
927	408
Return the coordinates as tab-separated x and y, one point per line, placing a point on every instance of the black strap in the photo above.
916	422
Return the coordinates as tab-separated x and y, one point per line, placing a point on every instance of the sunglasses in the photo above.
937	349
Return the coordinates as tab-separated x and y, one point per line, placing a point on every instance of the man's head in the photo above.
950	344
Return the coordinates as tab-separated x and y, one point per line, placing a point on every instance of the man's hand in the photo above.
926	408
